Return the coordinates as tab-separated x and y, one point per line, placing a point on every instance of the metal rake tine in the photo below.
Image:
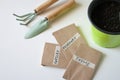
22	15
24	18
30	19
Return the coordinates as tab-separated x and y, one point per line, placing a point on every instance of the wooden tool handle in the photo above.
61	9
45	5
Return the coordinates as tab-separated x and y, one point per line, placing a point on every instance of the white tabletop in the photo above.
20	59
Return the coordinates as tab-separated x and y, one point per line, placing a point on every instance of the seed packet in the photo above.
69	39
53	56
83	64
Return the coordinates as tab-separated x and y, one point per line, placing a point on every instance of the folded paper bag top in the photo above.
53	56
83	64
69	39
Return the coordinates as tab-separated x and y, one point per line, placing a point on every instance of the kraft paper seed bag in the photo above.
69	39
83	64
52	56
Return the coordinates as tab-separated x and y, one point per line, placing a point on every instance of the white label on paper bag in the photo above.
84	62
70	41
56	55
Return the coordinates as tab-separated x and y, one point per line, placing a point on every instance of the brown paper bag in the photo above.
53	56
83	64
69	39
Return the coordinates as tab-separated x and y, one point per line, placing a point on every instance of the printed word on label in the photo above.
70	41
84	62
56	55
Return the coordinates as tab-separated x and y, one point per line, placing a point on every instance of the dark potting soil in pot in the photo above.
107	16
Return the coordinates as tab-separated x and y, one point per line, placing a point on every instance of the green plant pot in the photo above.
100	36
105	40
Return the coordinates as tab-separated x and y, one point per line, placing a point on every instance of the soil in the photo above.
107	16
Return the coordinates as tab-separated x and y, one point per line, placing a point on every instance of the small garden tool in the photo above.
43	24
27	18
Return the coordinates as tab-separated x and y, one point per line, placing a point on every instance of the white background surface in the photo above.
20	59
